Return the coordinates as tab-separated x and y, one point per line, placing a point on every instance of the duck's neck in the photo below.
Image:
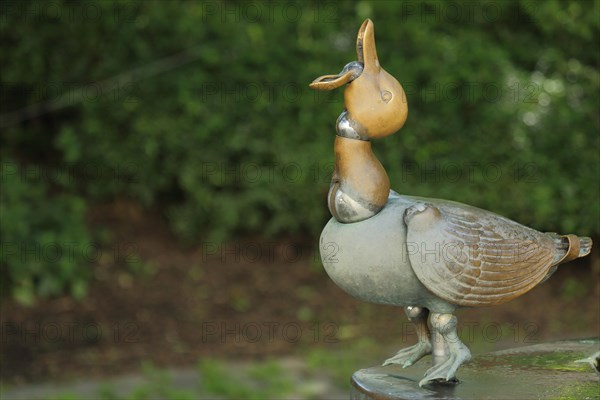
360	186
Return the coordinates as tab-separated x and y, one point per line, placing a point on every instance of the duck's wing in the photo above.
471	257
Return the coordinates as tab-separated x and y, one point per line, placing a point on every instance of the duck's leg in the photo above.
410	355
458	353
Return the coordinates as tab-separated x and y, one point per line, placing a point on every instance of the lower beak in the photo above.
328	82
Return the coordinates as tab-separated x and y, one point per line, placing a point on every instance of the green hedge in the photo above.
202	110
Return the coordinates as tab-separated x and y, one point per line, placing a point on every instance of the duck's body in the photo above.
477	258
429	256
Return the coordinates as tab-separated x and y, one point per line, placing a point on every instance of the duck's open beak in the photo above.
367	60
328	82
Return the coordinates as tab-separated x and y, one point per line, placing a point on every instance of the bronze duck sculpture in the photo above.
429	256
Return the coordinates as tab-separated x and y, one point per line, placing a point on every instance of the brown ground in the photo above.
252	299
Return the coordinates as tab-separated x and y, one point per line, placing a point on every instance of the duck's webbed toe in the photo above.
410	355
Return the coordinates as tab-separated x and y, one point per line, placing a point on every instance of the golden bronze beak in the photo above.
330	82
366	52
367	60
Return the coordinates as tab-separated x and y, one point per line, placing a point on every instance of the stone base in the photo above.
542	371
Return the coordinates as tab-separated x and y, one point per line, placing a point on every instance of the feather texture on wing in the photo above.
471	257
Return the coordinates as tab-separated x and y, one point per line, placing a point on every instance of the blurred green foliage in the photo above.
263	380
40	252
200	109
218	379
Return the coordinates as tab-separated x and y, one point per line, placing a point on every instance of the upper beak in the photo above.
365	47
366	55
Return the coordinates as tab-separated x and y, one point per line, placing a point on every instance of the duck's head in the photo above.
375	103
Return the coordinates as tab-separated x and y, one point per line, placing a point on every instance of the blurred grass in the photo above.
268	379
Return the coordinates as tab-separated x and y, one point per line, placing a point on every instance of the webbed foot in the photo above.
458	353
410	355
446	371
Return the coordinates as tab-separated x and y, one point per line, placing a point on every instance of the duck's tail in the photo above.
570	247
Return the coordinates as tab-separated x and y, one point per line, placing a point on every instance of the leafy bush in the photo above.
202	110
45	243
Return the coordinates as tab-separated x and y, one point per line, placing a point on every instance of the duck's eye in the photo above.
386	96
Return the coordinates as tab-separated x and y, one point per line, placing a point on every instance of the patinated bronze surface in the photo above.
430	256
499	375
